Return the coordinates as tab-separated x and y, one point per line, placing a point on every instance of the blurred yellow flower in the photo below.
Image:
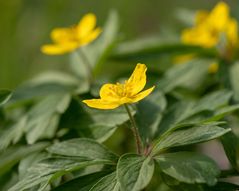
210	27
68	39
213	68
114	95
181	59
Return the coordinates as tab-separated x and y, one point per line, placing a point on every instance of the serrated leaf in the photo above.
41	121
13	133
43	118
134	172
29	161
191	135
12	155
82	148
4	96
189	167
50	169
182	111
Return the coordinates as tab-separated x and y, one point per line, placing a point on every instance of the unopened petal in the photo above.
86	25
142	94
101	104
137	80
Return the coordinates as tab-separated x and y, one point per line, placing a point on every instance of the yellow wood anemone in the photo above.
68	39
114	95
211	26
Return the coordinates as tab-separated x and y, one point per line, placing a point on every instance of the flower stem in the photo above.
135	130
87	65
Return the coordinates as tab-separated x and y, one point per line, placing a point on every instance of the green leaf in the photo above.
4	96
29	161
149	114
8	179
212	101
189	167
230	144
182	111
13	134
83	183
107	183
223	186
45	84
154	47
234	78
134	172
190	75
97	51
41	121
83	148
43	118
52	168
13	155
191	135
93	123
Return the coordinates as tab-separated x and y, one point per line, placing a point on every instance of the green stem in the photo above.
87	65
135	130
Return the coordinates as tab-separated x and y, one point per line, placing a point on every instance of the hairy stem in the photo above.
135	130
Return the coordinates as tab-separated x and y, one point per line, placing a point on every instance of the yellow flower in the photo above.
209	28
68	39
181	59
213	68
114	95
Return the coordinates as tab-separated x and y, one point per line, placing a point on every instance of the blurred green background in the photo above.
25	25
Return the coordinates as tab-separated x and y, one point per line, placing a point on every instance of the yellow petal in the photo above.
54	49
137	80
142	94
110	92
219	16
201	17
60	35
90	37
86	25
232	32
201	36
101	104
